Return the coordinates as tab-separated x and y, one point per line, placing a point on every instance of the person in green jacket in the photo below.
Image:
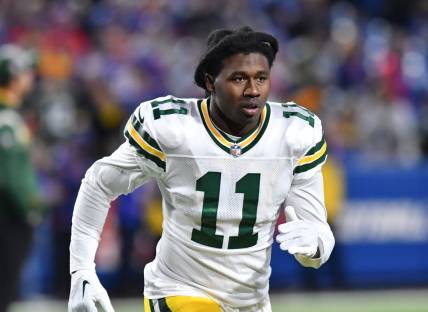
20	203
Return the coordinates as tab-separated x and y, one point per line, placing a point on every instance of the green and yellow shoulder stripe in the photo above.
142	141
316	155
137	131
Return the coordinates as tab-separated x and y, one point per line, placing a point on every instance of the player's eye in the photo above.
261	79
238	79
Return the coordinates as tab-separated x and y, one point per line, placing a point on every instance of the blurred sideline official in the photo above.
20	205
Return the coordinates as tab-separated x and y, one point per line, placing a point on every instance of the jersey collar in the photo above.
245	143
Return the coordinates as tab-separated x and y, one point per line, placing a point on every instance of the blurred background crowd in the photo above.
362	66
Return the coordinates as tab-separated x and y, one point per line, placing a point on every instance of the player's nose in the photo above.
251	89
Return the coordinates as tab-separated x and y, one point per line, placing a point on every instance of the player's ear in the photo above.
209	82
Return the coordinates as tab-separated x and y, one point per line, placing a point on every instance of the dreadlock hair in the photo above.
222	43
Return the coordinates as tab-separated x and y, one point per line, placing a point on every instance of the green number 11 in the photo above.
249	185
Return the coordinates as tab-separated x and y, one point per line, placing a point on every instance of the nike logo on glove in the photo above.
85	282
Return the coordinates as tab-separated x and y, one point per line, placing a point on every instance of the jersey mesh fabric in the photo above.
228	273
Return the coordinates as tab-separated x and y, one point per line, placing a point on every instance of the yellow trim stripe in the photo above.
311	158
192	304
211	126
143	144
221	138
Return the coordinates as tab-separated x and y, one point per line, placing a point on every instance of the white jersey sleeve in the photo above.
131	165
306	193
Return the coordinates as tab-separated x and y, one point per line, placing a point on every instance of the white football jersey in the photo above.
221	198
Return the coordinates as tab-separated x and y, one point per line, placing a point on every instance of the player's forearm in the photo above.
103	182
89	215
107	178
307	196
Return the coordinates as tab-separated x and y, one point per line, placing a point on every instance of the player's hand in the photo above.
297	236
86	291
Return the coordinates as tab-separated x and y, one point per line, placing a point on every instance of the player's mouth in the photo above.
251	109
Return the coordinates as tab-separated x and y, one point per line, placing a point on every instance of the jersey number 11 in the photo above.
248	185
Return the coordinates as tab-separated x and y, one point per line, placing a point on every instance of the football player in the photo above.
225	164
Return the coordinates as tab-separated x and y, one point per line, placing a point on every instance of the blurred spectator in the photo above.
20	204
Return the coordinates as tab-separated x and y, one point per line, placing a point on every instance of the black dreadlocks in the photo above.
223	43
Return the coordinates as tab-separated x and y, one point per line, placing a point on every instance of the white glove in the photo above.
86	290
298	237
